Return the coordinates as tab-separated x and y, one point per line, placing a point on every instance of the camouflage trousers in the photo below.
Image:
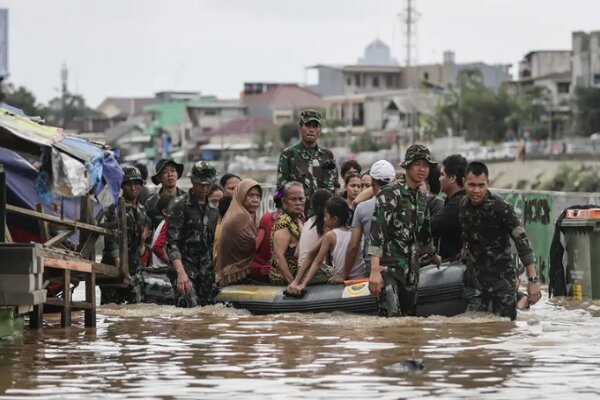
399	294
131	294
201	290
494	293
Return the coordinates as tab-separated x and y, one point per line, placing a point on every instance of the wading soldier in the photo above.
306	162
138	230
191	228
488	223
167	174
400	233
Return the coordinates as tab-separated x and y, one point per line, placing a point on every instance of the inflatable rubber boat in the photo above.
440	293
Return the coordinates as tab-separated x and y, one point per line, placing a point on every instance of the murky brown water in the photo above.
152	352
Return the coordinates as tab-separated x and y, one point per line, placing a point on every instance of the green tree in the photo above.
587	111
25	100
65	109
288	132
530	111
365	142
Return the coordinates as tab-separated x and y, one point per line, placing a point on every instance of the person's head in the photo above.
476	181
224	204
366	180
349	167
310	127
293	199
252	197
317	202
215	194
143	170
202	175
167	173
163	203
229	182
433	180
337	213
452	174
353	185
382	172
417	162
132	183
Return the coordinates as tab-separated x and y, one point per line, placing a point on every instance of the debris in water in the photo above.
410	365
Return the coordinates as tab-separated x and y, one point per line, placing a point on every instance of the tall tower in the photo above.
408	20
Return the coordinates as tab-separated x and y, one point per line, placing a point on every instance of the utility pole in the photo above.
408	19
64	76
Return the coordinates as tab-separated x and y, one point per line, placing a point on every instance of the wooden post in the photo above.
65	317
90	297
123	245
44	226
36	317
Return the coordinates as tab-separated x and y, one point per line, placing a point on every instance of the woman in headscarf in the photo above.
237	243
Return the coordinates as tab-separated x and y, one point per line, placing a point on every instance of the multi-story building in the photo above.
586	59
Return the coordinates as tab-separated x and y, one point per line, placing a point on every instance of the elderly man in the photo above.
167	174
306	162
400	233
191	225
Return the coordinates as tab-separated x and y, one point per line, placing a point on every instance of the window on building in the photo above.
596	79
563	87
349	82
210	112
376	81
389	81
357	79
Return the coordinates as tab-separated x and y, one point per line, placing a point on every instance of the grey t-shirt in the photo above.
362	219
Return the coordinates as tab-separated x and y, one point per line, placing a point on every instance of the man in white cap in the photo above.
382	173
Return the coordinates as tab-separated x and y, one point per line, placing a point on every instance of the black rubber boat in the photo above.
440	293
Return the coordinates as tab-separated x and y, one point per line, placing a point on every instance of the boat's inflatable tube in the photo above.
440	293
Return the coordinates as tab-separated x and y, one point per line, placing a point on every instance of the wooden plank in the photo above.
44	226
63	222
75	305
88	249
68	265
90	299
106	270
65	315
59	238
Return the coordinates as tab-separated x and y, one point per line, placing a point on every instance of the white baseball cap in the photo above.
382	170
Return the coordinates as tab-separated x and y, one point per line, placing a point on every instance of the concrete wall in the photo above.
549	62
331	81
493	75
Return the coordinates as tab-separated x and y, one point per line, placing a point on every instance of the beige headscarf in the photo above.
237	243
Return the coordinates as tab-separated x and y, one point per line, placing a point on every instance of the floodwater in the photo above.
156	352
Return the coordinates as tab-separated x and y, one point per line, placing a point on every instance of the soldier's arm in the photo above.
382	217
283	170
111	243
424	236
514	228
174	225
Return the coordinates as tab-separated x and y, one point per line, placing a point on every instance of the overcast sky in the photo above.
138	47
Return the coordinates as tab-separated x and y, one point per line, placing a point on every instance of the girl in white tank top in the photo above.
336	240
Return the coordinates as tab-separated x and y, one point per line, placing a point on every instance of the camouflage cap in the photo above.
417	152
132	174
310	115
203	172
161	164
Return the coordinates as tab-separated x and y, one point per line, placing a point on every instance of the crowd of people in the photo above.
381	225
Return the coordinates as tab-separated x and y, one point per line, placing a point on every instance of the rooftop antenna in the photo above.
408	20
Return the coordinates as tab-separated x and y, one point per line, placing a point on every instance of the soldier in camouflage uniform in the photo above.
488	223
400	233
167	174
191	225
306	162
138	230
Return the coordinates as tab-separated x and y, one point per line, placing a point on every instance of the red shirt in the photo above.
259	270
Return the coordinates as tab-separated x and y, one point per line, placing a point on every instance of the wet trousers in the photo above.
491	292
201	290
131	294
399	294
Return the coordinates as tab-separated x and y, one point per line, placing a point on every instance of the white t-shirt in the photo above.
308	238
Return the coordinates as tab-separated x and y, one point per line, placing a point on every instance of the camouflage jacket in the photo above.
486	231
191	231
400	228
136	220
151	209
313	167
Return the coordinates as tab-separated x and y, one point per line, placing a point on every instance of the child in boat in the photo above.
314	228
337	214
160	260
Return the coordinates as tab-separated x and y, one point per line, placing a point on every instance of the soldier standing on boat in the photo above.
138	230
400	233
167	174
191	228
306	162
488	223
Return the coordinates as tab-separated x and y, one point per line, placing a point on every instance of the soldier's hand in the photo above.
375	283
534	292
183	283
437	260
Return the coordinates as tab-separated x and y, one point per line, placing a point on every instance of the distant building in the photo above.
281	104
207	116
131	140
544	62
3	43
377	53
124	107
586	59
170	96
252	88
